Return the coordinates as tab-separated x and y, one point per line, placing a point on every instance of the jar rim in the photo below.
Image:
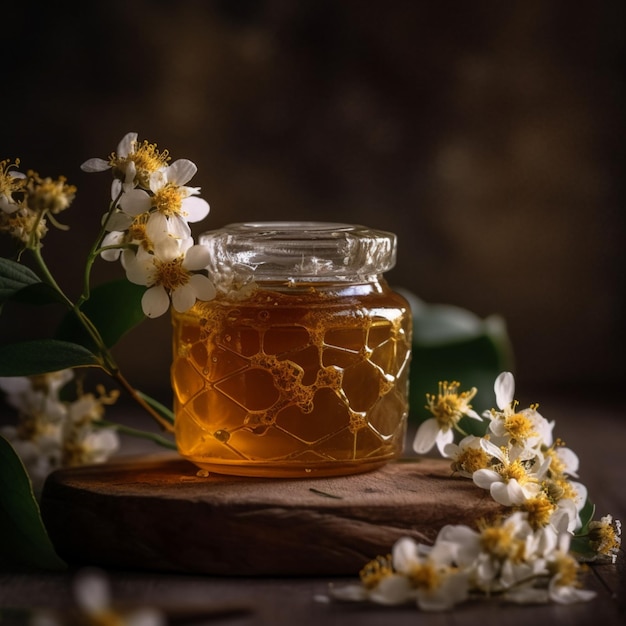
300	250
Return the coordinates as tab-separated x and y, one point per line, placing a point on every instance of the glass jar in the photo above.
299	366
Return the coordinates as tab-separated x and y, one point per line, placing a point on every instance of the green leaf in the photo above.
43	355
451	343
37	294
114	308
23	536
14	277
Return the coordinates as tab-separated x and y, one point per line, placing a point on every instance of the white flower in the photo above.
511	481
413	573
379	584
10	181
568	508
112	245
468	456
125	148
564	586
439	585
168	274
133	163
567	461
85	443
20	389
525	429
605	537
93	599
498	556
39	456
176	204
52	433
448	407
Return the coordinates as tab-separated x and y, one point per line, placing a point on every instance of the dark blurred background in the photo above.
488	135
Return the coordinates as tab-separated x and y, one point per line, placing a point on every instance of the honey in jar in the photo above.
299	366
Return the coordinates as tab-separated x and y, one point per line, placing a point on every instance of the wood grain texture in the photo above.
158	514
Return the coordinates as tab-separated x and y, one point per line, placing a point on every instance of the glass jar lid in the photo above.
300	251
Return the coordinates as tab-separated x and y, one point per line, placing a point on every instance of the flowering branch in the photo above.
146	227
531	554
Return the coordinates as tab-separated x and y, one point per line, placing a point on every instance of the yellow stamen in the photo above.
449	406
23	225
47	194
10	184
567	569
169	200
425	576
471	460
374	571
604	536
137	232
519	427
539	510
171	274
499	542
517	471
147	159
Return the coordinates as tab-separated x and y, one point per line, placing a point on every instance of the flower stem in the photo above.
107	361
134	432
95	250
140	399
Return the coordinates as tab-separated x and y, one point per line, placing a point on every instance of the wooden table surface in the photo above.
595	429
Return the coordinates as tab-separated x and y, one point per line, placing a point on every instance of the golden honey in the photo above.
304	376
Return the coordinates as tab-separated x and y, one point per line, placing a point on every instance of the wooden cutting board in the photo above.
157	513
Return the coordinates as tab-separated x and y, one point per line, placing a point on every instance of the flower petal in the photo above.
203	287
112	239
194	209
135	202
119	221
155	301
92	590
127	144
505	389
405	554
426	436
393	590
507	494
444	437
183	298
181	171
453	590
197	258
484	478
349	593
139	267
95	165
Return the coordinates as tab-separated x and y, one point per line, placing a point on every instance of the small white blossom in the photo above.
52	433
10	181
510	480
439	584
467	456
168	273
125	147
448	407
564	587
524	431
498	556
92	596
133	163
605	537
169	200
